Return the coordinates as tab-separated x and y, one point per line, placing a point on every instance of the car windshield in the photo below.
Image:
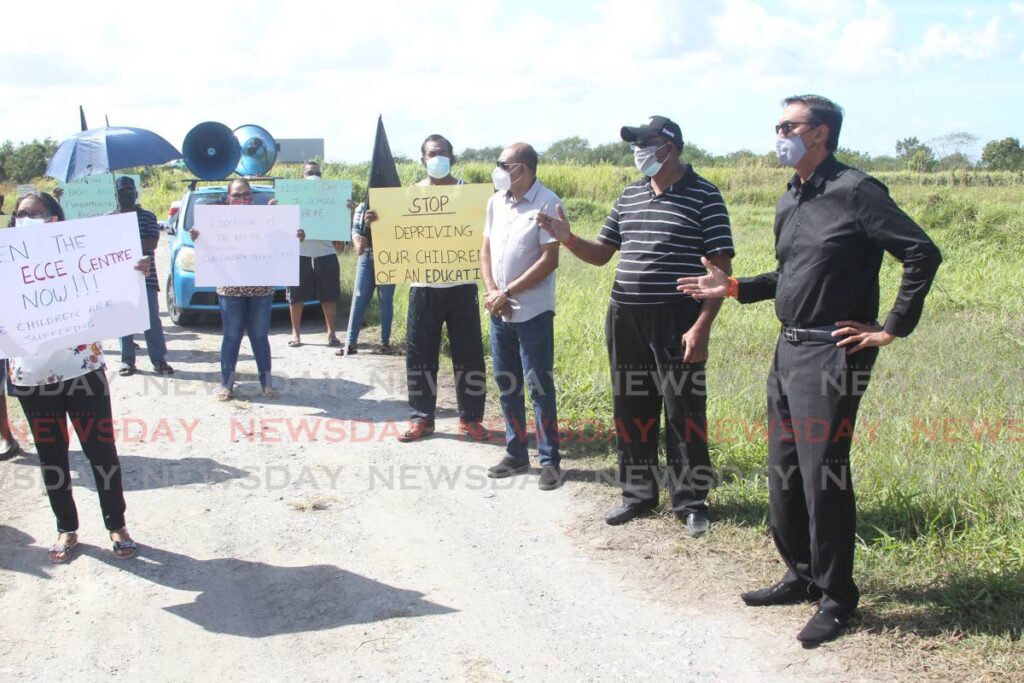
219	196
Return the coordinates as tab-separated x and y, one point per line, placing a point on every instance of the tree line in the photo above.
952	151
20	163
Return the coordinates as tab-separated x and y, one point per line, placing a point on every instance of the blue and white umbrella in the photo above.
102	150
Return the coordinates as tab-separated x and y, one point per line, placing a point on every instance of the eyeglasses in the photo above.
240	195
31	214
786	127
508	165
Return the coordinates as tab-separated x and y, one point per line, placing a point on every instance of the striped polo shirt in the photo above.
662	237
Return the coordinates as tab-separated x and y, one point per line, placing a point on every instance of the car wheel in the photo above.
174	312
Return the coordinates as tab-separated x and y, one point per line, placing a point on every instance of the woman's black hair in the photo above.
51	205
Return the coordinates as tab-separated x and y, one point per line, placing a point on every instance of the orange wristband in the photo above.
571	242
734	288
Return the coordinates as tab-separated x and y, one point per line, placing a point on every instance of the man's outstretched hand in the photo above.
714	285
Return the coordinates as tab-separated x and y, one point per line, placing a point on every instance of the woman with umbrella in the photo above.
70	383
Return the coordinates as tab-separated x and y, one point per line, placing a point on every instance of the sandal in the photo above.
332	340
125	548
127	370
294	343
225	394
61	552
269	392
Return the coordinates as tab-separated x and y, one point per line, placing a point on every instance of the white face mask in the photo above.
502	179
22	222
312	177
790	150
646	160
439	167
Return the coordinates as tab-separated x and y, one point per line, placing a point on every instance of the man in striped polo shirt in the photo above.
149	236
658	340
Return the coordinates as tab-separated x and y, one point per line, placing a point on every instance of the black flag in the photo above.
382	164
81	117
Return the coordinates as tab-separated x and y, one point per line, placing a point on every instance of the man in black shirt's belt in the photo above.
831	228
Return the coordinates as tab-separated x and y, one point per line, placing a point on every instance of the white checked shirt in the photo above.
515	241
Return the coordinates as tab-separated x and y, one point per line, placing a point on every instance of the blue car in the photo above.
185	301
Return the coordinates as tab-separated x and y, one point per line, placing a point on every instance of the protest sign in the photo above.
93	195
247	246
70	283
428	234
323	204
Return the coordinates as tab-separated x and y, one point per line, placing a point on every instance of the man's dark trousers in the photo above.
458	309
648	377
814	390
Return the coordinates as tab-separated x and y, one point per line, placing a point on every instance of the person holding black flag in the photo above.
832	227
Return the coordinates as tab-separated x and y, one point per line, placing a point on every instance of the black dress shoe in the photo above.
550	478
508	467
697	523
627	512
781	593
821	628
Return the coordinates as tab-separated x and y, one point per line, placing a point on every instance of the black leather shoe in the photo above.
627	512
781	594
508	467
697	523
550	478
822	628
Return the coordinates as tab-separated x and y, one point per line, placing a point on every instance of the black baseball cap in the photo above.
656	125
125	182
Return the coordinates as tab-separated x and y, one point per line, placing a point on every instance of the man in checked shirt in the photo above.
658	337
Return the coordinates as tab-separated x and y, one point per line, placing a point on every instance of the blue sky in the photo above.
491	73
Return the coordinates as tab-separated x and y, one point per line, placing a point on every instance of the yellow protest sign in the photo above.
428	234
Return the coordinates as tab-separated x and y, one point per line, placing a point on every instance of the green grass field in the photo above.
938	459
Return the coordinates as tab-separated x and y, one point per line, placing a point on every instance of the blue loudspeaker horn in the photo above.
211	151
259	150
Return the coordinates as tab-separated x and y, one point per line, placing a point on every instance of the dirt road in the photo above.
296	539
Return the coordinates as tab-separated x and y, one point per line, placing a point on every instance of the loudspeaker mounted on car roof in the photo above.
211	151
259	150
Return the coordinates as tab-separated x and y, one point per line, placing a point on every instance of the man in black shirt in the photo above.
658	338
831	228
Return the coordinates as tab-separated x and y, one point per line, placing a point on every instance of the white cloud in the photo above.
942	42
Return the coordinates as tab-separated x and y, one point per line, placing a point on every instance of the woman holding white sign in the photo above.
244	311
70	383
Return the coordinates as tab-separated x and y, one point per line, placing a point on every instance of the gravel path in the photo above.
296	539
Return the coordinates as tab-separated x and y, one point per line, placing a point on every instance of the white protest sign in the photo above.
247	246
70	283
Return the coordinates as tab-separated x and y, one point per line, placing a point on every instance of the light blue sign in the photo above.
324	212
